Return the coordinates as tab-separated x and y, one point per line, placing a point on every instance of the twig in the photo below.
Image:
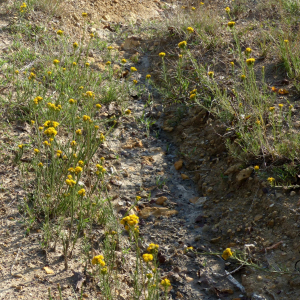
15	260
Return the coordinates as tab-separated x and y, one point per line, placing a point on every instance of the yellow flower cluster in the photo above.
162	54
50	131
226	253
147	257
102	137
211	74
81	192
55	61
37	100
231	24
54	107
32	76
148	76
100	169
90	94
78	170
165	282
23	7
131	220
60	32
190	29
70	182
152	247
86	118
182	44
72	101
98	260
123	61
75	45
78	132
133	69
250	61
58	153
51	124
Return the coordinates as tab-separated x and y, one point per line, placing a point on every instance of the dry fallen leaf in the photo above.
48	270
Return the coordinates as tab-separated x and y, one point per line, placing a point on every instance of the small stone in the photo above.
85	295
18	275
189	279
48	270
257	218
259	278
293	193
209	190
161	200
178	164
244	174
215	240
184	177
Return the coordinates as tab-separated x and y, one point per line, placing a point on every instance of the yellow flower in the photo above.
36	151
286	41
104	271
226	253
21	146
147	257
211	74
192	96
232	63
78	132
96	127
71	170
41	128
190	29
257	122
40	164
74	63
92	35
182	44
75	45
231	24
227	9
272	108
256	168
291	106
152	247
271	179
248	50
17	72
243	77
86	118
60	32
90	94
130	220
165	282
123	61
78	170
133	69
70	182
81	192
50	131
96	259
98	106
55	61
110	47
135	81
280	105
58	153
84	14
127	111
71	101
108	63
73	143
81	163
31	76
87	64
193	8
250	61
149	275
80	88
138	198
46	143
148	76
